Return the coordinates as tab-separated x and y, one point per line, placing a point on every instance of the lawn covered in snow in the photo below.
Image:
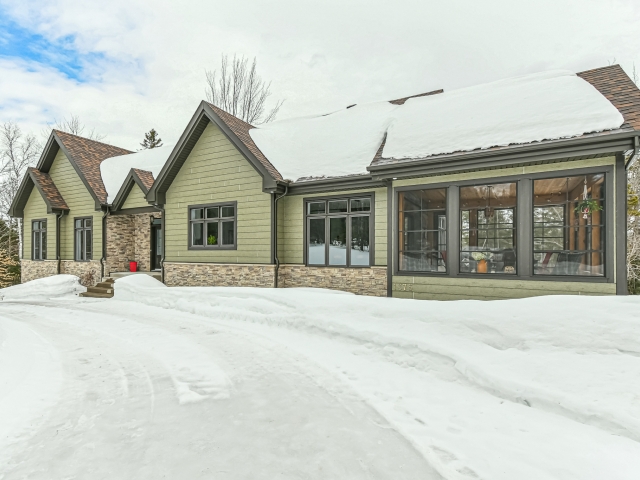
540	388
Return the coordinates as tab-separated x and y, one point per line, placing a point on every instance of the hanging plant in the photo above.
588	206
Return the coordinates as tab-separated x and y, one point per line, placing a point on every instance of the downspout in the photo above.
163	235
275	234
635	153
104	242
58	257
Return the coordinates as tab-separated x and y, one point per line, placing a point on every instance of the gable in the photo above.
135	199
69	183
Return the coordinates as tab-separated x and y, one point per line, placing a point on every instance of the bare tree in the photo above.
74	126
17	152
240	90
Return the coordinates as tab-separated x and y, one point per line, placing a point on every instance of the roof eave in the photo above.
548	150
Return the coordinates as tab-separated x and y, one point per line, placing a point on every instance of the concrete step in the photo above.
105	285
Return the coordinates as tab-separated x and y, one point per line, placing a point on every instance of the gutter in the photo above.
161	208
275	235
104	242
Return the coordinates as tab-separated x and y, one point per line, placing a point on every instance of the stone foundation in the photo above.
89	272
363	281
129	239
213	274
34	269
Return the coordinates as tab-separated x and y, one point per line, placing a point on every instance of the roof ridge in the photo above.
90	140
614	66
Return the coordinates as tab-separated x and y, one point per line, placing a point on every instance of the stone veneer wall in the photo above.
214	274
120	247
129	239
363	281
89	272
34	269
142	239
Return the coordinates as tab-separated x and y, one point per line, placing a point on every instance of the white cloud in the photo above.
319	55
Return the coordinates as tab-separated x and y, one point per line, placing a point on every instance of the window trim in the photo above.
516	227
396	227
75	245
209	248
348	214
524	224
46	230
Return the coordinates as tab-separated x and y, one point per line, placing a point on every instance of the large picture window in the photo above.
212	226
83	239
339	232
422	229
568	225
488	229
39	239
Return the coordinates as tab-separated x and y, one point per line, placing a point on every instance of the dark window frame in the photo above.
446	231
606	199
348	214
84	238
33	245
209	248
515	225
524	240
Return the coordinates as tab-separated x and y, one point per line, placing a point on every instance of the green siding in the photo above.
80	203
135	199
216	171
33	210
445	288
292	225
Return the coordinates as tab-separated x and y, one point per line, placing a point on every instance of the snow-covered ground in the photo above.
300	383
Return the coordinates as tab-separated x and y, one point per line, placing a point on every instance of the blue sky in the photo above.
19	42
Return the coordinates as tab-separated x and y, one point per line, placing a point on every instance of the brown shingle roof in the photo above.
619	89
145	177
45	185
88	155
241	130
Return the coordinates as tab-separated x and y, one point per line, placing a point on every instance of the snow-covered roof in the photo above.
530	108
114	170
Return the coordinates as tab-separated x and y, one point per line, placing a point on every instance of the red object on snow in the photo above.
133	266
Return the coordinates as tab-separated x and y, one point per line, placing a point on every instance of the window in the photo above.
83	239
339	232
212	226
39	240
568	226
422	229
487	228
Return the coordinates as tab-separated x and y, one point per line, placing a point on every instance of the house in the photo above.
509	189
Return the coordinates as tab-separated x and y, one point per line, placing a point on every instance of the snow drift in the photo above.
490	387
49	287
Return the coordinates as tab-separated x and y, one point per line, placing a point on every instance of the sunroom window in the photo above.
488	229
569	226
422	228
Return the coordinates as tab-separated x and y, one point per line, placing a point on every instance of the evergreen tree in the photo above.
151	140
9	269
